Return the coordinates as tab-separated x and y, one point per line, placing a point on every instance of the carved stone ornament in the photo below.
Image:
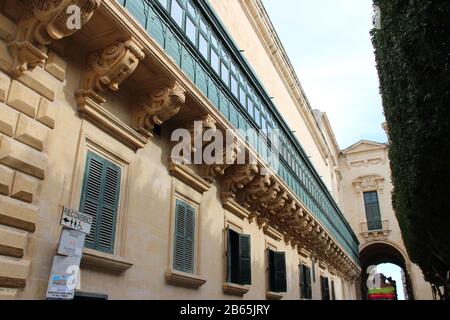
236	178
371	182
44	21
158	106
226	157
109	67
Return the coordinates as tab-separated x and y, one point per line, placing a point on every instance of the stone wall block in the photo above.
23	158
23	99
31	132
24	187
8	119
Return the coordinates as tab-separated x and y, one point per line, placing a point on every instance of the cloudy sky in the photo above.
328	43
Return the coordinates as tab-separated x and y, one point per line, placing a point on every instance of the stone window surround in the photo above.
193	197
272	245
236	224
367	183
93	139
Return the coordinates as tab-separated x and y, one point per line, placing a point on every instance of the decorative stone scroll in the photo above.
158	106
236	178
109	67
44	21
227	156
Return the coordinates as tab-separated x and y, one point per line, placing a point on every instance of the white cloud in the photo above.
329	45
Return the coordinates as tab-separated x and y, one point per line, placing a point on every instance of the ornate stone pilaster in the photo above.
108	68
158	106
44	21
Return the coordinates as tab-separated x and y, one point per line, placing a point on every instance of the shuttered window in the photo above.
333	294
277	271
239	269
100	198
372	207
324	288
305	282
184	237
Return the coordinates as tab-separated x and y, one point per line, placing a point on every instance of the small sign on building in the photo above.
71	243
63	278
76	220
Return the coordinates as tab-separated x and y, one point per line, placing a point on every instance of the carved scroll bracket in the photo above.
158	106
108	68
44	21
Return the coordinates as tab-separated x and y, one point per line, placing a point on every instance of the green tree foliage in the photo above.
412	50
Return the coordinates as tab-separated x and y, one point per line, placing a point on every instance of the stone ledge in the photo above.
17	214
235	289
235	208
189	177
107	121
104	261
270	295
184	279
273	233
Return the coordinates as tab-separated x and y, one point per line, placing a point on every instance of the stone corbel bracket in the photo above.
108	68
44	21
236	178
158	106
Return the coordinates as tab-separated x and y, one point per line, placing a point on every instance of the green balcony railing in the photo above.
192	35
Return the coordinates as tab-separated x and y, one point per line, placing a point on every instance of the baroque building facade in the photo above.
86	118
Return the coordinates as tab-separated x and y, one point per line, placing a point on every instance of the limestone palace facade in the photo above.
87	116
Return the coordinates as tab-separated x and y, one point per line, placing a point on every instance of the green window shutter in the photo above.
313	271
333	294
100	198
324	287
245	269
238	258
277	271
184	237
308	282
305	282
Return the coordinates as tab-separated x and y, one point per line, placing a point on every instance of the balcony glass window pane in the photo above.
190	9
203	46
250	107
234	86
214	41
257	117
215	61
191	31
225	74
242	96
163	3
234	68
203	26
177	13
